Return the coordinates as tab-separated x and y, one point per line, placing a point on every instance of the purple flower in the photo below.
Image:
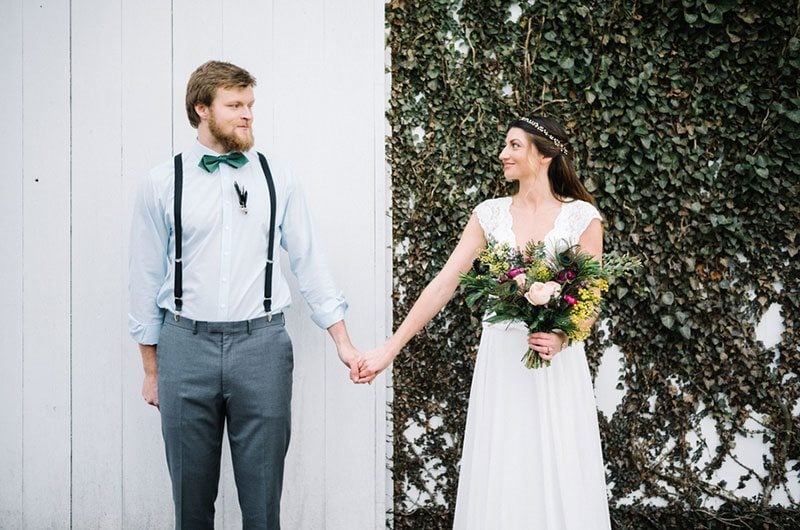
570	300
515	272
566	275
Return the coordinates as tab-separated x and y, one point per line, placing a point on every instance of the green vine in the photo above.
686	119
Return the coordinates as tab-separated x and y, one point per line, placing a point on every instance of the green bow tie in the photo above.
210	163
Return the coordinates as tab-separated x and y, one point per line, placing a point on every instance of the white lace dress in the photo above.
531	456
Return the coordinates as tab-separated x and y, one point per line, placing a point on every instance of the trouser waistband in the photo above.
240	326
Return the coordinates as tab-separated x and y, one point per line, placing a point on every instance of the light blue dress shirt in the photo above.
224	249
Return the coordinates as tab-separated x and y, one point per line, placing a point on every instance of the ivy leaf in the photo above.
794	115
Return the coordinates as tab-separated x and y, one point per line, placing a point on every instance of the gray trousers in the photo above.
210	373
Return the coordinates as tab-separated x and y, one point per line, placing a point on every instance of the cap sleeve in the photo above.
490	213
581	215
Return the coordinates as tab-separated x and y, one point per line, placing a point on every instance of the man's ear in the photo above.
201	110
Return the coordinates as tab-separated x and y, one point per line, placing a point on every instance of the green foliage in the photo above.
685	119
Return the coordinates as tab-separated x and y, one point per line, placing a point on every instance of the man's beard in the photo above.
231	142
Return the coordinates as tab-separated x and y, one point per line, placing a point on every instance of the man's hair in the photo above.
205	81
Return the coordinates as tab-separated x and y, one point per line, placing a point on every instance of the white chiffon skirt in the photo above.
532	457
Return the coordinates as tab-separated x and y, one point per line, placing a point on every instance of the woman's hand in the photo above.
547	344
374	362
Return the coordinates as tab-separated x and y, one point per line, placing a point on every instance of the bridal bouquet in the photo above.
547	292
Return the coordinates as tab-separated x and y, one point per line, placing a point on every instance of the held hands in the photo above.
374	363
547	344
352	358
363	368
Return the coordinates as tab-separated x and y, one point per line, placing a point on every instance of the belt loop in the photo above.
194	327
248	328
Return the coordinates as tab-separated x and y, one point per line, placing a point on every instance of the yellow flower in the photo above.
538	271
495	257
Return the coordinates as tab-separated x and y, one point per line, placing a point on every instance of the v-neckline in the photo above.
544	238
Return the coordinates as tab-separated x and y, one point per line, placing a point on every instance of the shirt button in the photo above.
224	280
227	228
226	253
222	306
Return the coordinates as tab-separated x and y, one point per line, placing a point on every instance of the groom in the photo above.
207	295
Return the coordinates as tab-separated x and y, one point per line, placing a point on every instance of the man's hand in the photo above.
349	355
150	390
352	358
150	385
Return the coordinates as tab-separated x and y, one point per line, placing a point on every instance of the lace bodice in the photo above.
573	219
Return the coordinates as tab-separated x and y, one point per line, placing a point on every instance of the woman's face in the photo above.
520	157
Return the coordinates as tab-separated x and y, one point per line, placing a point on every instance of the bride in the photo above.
531	457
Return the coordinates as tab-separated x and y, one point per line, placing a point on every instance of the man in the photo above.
207	300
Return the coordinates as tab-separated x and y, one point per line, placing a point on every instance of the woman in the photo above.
531	456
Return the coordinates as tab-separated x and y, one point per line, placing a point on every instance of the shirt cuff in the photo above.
327	316
144	333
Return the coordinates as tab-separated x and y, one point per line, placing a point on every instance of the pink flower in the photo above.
541	293
570	300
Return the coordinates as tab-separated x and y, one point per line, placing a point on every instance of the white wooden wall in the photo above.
93	96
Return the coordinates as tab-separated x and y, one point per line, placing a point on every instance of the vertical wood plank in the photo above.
146	141
46	264
11	270
197	38
247	41
97	265
348	75
296	110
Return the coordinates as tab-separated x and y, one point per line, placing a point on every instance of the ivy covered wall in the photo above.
685	117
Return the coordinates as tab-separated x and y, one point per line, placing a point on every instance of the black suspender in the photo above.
272	201
176	208
178	288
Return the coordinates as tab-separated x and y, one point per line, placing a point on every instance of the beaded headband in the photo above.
536	125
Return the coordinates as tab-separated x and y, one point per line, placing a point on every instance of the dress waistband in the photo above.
240	326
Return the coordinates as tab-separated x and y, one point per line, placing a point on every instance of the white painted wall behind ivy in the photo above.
93	97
